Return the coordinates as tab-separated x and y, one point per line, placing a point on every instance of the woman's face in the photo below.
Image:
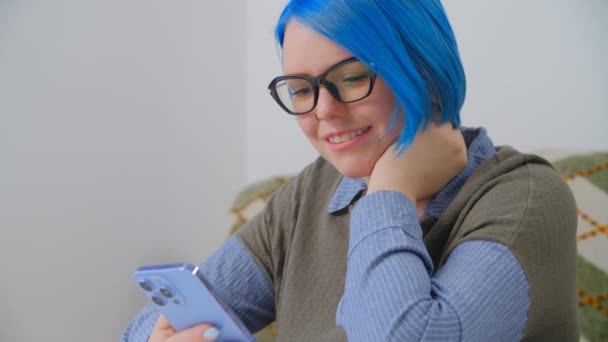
351	136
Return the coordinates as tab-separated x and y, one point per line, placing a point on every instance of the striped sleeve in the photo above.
393	294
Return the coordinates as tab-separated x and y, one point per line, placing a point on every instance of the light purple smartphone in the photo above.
185	298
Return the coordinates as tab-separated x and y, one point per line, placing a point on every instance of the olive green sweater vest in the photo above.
514	199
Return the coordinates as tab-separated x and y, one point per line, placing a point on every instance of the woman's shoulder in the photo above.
519	192
511	169
534	177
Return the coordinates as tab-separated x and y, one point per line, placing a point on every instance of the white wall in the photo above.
121	144
274	143
537	71
537	78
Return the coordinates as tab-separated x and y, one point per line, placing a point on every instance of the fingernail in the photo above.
211	334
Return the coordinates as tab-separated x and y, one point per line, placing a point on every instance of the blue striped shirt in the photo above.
392	292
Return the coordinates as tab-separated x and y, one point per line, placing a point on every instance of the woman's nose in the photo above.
327	106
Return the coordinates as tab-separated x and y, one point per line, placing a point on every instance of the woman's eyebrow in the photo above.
299	74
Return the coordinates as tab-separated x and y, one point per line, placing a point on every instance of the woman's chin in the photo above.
354	171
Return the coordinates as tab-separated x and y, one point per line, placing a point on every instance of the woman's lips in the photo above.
344	140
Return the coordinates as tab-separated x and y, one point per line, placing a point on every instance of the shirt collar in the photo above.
345	193
479	148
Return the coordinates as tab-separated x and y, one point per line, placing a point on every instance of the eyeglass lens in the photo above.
351	82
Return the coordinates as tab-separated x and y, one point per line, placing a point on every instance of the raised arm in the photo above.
393	294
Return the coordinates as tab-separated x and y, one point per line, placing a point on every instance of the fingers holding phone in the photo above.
190	309
164	332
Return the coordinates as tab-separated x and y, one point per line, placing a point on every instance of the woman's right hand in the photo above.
164	332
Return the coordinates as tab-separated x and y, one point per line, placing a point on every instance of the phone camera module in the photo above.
158	301
144	284
166	293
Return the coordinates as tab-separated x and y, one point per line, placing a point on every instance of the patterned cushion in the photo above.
587	176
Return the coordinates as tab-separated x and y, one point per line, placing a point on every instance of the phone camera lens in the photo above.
158	301
144	284
166	293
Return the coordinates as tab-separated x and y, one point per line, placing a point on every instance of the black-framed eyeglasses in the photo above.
347	81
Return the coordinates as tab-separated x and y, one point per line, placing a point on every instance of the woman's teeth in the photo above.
346	137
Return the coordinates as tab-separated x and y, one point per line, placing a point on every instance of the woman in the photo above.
408	227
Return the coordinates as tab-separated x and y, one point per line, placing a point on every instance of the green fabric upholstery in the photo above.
587	175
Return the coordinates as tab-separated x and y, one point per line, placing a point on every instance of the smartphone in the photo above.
183	295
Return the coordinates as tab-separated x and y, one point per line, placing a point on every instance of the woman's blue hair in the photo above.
408	43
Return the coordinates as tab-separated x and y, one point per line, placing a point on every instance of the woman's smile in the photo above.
340	141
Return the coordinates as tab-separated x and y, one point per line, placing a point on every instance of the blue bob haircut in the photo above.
408	43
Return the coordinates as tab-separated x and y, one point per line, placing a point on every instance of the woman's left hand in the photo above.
436	156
